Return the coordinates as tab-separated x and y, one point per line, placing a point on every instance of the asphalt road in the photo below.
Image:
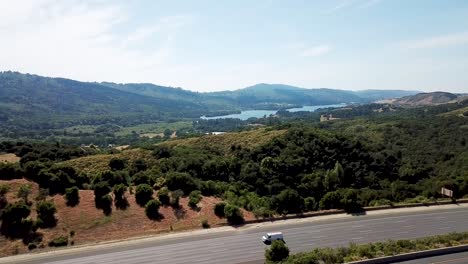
244	244
458	258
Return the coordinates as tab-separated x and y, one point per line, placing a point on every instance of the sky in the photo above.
203	45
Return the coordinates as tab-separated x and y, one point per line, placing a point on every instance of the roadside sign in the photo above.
446	192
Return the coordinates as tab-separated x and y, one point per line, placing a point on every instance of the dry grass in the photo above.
99	163
223	142
91	225
9	158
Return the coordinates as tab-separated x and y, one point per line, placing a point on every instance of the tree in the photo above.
119	195
175	197
194	198
277	252
102	199
143	194
288	201
152	209
233	214
117	164
46	214
331	200
23	192
163	196
219	209
72	196
310	204
14	220
180	180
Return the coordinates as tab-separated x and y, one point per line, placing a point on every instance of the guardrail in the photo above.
413	255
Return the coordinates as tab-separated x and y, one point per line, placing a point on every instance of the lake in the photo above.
244	115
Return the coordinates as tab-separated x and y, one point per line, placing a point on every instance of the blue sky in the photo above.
218	45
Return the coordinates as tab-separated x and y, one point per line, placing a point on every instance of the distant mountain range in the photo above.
433	98
26	97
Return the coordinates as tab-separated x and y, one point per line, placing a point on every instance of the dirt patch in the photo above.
9	158
122	147
91	225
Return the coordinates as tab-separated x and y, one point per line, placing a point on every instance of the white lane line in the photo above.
366	231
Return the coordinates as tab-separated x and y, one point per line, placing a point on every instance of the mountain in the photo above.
434	98
263	94
26	98
32	101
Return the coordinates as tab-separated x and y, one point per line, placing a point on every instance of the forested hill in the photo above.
29	98
36	102
263	94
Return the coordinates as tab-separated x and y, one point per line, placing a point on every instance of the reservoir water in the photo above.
244	115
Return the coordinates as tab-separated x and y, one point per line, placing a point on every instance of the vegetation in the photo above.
152	209
60	241
277	252
143	194
194	198
72	196
46	214
356	252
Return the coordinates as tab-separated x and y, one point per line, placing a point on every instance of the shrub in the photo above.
310	204
101	188
24	191
277	252
143	194
105	203
119	195
233	214
14	220
219	209
175	197
117	164
72	196
205	223
163	196
194	198
46	214
152	209
59	241
183	181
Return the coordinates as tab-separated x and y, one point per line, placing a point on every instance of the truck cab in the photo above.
270	237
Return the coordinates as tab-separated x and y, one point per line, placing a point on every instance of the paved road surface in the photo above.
244	245
458	258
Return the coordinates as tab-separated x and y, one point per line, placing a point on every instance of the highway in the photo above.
243	245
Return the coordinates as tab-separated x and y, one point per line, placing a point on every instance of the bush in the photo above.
143	194
175	197
101	188
60	241
183	181
219	209
194	198
46	214
163	196
119	196
24	191
310	204
117	164
72	196
105	203
152	209
14	220
205	223
233	214
277	252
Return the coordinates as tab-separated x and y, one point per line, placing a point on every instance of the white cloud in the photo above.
84	40
316	51
437	42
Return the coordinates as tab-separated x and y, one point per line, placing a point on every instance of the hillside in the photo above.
421	99
35	102
262	95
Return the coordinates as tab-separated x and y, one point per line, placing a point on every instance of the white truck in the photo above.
270	237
